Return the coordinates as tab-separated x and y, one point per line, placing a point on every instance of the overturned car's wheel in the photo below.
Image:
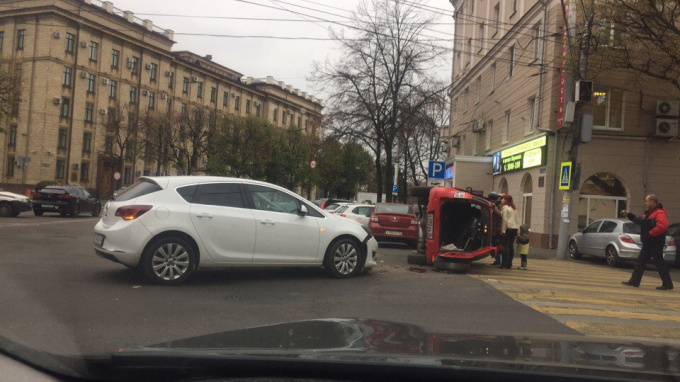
417	259
420	191
444	265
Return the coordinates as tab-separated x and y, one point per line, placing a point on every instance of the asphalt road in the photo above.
57	296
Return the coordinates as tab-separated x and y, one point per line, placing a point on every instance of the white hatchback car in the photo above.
170	226
360	213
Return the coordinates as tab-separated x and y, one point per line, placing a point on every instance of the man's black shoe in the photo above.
630	284
664	287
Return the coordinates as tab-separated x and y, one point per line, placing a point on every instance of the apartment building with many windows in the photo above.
82	59
507	135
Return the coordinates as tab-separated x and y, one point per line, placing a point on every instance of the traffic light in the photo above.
584	91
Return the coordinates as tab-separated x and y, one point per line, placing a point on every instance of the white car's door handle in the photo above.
267	222
204	215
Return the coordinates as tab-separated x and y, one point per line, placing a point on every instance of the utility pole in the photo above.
567	200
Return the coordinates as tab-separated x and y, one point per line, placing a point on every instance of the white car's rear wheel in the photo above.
344	258
169	261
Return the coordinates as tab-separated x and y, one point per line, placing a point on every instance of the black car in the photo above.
66	200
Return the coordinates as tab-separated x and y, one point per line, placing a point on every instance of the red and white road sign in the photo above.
312	164
116	175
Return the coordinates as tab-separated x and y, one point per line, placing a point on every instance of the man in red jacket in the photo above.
653	226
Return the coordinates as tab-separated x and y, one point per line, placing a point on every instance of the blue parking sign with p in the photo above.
436	170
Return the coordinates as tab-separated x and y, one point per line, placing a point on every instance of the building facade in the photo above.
507	109
83	59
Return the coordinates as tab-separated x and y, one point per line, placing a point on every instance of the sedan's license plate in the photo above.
394	233
98	240
48	206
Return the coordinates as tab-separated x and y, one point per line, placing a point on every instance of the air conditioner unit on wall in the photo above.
168	74
105	81
455	142
57	101
103	111
83	74
148	66
145	92
478	126
162	95
194	78
666	127
57	35
668	108
83	44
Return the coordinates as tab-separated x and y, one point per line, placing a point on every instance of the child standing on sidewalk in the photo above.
523	245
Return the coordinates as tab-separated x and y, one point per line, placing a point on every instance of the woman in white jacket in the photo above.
509	228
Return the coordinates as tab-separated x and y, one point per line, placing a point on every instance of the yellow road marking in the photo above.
604	313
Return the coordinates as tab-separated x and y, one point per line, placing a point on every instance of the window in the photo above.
89	112
152	100
472	7
220	194
129	152
607	226
537	40
480	37
479	89
84	172
169	105
466	96
70	42
276	114
199	90
531	105
493	77
237	103
60	173
90	83
113	88
10	167
65	107
469	51
299	122
496	18
153	72
489	134
63	139
269	199
66	77
247	106
87	142
21	37
609	34
108	145
127	176
257	109
283	117
185	85
608	110
2	39
133	94
94	51
135	65
12	136
187	192
213	94
225	98
506	131
593	227
115	58
511	60
171	77
184	109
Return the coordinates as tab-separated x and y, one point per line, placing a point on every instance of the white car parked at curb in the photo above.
170	226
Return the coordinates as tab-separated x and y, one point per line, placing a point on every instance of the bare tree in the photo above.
383	66
10	87
122	129
157	133
190	140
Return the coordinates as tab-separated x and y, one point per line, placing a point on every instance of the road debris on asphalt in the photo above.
417	270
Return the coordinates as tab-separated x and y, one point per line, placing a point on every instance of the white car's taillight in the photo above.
132	212
672	242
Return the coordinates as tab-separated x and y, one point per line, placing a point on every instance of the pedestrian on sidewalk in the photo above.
509	228
523	245
653	226
496	226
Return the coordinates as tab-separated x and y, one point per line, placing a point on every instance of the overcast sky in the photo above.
287	60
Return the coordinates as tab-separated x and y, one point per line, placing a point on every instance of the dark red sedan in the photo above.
395	222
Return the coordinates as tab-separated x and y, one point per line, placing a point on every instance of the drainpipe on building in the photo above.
74	75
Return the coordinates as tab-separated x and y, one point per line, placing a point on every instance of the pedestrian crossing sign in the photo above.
565	176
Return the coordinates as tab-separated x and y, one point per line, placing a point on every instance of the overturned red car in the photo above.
457	228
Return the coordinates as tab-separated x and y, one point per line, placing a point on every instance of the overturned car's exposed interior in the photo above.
464	224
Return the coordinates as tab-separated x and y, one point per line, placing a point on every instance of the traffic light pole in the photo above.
567	199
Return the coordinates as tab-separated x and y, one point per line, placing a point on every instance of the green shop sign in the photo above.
521	157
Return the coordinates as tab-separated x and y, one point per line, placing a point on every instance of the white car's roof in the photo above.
359	205
174	181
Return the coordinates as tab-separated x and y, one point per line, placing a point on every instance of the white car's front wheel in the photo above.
344	258
169	261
